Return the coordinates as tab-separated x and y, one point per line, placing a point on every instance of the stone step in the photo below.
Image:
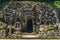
30	36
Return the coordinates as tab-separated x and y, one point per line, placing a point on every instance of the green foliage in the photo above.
1	23
57	4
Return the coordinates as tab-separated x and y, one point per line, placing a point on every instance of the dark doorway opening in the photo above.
29	26
59	15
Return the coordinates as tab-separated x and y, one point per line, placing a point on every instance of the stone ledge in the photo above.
30	36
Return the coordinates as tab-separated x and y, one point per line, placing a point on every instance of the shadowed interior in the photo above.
29	26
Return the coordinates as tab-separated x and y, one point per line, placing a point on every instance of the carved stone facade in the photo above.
30	15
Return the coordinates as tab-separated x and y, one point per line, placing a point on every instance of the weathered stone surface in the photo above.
41	11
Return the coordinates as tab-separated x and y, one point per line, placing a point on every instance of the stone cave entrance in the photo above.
29	25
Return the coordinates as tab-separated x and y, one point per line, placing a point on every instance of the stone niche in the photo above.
27	21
